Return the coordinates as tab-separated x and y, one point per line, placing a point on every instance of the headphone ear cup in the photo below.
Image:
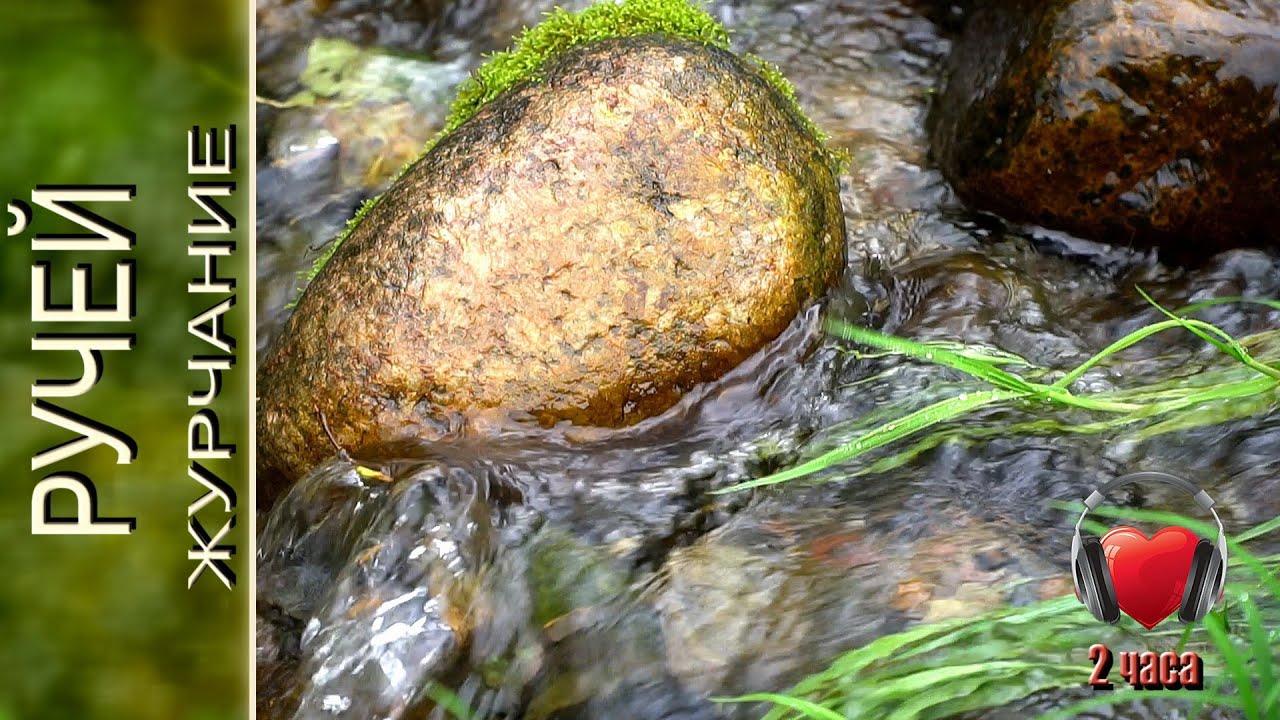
1095	581
1217	581
1203	583
1080	574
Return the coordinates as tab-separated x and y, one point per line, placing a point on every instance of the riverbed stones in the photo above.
586	248
1146	122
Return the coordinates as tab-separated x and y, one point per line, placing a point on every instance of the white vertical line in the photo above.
253	358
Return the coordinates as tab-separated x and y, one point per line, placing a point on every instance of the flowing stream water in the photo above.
562	573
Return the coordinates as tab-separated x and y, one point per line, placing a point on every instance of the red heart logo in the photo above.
1149	574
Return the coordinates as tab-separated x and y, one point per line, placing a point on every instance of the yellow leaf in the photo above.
365	472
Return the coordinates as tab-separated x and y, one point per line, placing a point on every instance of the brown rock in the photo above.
1154	122
587	248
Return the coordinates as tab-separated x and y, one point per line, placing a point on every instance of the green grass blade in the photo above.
981	695
883	435
1271	706
1123	696
1262	651
1182	321
1059	395
994	356
800	705
904	658
1273	304
1180	402
1123	343
447	699
1230	391
1265	528
906	687
1049	609
886	646
969	664
1243	399
1225	343
981	369
1236	666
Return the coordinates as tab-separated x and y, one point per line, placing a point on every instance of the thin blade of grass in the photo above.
1175	401
1062	396
980	695
1272	704
882	435
980	353
1273	304
1236	667
800	705
910	685
1202	702
1232	391
1225	343
1197	331
885	647
1247	399
1269	526
1262	651
1122	696
983	370
1123	343
1248	395
939	670
1035	614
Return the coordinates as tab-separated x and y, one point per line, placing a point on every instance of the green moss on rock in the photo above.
563	30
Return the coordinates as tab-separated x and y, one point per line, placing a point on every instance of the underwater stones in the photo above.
586	248
1151	122
778	591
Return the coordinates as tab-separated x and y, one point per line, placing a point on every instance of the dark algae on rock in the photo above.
1135	122
587	247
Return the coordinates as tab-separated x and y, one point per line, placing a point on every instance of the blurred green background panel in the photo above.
104	92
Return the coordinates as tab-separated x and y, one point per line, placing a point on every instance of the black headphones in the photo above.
1093	579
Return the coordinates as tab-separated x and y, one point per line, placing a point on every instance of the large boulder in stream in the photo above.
1149	122
586	248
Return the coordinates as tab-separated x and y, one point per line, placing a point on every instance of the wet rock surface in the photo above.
351	120
664	562
588	249
1144	122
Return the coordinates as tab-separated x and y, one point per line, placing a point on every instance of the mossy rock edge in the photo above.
562	31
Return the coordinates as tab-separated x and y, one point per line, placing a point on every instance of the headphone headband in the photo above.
1200	497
